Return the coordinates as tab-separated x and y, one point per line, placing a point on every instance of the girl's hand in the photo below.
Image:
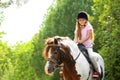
79	41
75	41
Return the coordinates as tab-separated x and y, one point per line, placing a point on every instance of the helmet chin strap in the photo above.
84	24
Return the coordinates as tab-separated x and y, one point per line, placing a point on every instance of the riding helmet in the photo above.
82	15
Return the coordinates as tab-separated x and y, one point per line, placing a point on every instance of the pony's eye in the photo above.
55	52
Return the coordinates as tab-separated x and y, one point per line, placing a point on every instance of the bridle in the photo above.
60	51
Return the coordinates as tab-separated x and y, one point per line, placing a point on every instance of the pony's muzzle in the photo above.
50	70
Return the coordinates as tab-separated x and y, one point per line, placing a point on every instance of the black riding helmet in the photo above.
82	15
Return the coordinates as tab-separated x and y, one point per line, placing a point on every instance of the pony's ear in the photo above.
55	41
49	41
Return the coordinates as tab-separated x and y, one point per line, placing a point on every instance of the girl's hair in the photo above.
78	31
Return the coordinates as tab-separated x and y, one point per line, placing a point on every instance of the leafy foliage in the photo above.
108	18
5	4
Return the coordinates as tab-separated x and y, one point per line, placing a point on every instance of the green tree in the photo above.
4	61
107	18
18	65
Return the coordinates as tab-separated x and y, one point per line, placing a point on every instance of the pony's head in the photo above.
55	53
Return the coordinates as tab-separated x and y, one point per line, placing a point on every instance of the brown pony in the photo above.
57	55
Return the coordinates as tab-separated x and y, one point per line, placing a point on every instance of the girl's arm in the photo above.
89	33
75	37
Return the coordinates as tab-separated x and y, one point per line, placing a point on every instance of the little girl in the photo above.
84	35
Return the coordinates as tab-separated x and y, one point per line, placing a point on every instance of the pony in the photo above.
63	52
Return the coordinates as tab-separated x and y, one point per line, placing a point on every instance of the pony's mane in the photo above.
50	41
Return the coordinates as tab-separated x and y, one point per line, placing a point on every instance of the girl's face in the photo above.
82	21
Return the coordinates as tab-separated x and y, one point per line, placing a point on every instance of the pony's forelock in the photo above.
45	52
49	41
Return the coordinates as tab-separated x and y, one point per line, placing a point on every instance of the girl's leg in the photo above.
93	59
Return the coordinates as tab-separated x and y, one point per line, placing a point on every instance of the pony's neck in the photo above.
69	72
69	69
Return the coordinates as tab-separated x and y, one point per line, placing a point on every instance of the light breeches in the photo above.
93	59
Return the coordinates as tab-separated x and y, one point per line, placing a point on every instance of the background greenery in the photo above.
24	61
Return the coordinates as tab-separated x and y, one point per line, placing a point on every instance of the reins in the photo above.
71	62
77	56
